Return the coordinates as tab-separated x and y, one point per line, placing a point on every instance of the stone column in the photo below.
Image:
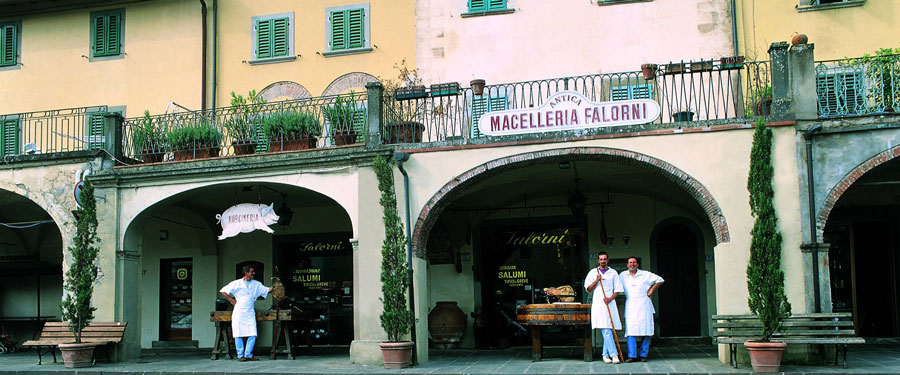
803	82
128	272
782	106
818	251
374	113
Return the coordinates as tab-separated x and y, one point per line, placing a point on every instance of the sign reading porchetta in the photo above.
568	110
245	218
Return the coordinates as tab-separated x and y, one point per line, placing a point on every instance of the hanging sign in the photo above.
245	218
568	110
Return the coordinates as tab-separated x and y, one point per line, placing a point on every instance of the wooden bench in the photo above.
98	333
815	329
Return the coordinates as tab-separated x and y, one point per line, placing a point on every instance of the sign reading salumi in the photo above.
568	110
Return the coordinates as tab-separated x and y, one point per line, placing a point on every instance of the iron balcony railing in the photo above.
52	131
724	89
858	86
247	129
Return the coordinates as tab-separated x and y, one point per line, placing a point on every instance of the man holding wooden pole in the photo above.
604	312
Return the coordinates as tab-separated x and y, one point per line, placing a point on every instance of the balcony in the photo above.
858	86
55	131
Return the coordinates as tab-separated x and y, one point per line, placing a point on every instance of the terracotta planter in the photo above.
244	147
446	324
396	354
799	39
683	116
302	142
405	132
343	137
763	107
765	356
77	355
152	156
648	71
477	86
200	152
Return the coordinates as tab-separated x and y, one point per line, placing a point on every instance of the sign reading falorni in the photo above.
568	110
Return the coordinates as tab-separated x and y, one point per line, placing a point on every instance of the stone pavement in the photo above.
686	359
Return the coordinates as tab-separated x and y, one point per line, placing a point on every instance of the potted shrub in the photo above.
762	101
731	62
674	68
291	131
765	279
194	141
147	140
402	117
340	117
445	89
243	121
701	66
396	318
683	115
80	277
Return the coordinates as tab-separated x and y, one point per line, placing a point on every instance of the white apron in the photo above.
243	318
638	307
610	283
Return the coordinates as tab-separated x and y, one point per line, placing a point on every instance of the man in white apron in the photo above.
243	319
608	278
639	286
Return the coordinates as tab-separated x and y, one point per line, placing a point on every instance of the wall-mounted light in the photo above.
285	214
625	239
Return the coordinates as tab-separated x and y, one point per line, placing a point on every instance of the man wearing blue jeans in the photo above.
243	319
639	285
604	283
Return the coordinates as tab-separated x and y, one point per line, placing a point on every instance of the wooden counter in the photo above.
538	316
225	342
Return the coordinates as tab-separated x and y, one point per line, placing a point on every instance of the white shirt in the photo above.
610	284
638	307
243	318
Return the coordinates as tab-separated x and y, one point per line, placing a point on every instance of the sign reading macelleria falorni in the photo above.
569	110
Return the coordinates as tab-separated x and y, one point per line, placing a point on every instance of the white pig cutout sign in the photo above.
245	218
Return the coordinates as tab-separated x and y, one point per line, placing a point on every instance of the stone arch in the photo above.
841	187
349	81
284	89
57	210
456	187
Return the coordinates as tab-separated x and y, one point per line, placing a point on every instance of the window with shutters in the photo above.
486	7
613	2
9	136
107	33
841	93
9	44
272	38
482	105
811	5
628	92
347	30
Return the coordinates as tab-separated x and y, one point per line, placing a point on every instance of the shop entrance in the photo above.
176	299
677	260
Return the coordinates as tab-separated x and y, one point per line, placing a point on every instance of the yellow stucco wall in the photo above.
837	33
391	35
161	63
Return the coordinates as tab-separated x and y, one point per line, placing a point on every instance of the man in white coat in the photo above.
243	319
603	304
639	286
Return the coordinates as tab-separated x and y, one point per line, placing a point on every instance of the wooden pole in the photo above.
609	313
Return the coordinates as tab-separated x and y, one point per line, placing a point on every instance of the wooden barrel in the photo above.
554	314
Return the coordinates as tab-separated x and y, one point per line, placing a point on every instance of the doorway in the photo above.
677	261
176	299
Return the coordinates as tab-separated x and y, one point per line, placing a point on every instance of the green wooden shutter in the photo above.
280	27
477	5
644	91
96	132
480	106
9	136
840	93
338	31
359	125
356	19
496	4
8	39
106	34
264	39
259	135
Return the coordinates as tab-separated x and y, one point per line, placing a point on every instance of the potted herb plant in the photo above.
290	131
243	121
80	277
402	116
765	279
762	101
341	117
147	140
396	318
197	140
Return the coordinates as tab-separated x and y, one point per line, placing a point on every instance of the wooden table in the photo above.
225	342
558	314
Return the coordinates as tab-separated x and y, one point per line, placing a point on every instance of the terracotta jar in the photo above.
765	356
446	324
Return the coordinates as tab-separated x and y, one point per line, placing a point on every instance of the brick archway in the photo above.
284	89
456	187
841	187
349	81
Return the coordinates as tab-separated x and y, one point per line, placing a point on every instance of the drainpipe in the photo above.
813	239
734	36
401	157
203	56
215	44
